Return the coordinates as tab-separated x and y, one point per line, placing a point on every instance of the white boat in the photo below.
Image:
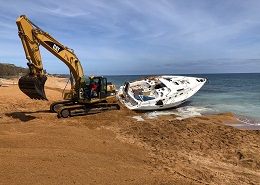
158	92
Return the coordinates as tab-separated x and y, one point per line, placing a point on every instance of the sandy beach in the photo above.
116	148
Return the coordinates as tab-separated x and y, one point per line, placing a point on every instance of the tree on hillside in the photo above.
11	70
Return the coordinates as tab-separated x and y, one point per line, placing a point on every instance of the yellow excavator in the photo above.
88	94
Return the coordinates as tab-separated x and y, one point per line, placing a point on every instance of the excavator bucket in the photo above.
33	86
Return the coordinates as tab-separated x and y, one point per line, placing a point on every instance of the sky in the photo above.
123	37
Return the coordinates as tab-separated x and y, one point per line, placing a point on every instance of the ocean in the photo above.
238	93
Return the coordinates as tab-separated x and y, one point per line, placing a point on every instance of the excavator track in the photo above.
79	109
54	107
33	86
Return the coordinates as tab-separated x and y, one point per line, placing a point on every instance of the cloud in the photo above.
176	35
62	12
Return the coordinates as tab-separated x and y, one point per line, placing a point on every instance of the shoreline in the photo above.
243	125
58	83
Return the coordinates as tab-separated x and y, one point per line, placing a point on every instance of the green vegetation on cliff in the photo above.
10	70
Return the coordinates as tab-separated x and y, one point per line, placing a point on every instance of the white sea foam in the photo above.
139	118
181	112
154	114
190	111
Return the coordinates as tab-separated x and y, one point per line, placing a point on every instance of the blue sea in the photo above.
238	93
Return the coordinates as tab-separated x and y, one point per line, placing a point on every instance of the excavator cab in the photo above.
92	88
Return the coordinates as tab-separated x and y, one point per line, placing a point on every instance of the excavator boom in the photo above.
32	37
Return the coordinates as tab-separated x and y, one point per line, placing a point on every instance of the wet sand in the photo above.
116	148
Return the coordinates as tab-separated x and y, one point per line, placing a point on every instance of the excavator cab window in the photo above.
98	87
103	87
84	88
92	88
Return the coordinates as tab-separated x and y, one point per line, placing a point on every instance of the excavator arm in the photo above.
32	37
